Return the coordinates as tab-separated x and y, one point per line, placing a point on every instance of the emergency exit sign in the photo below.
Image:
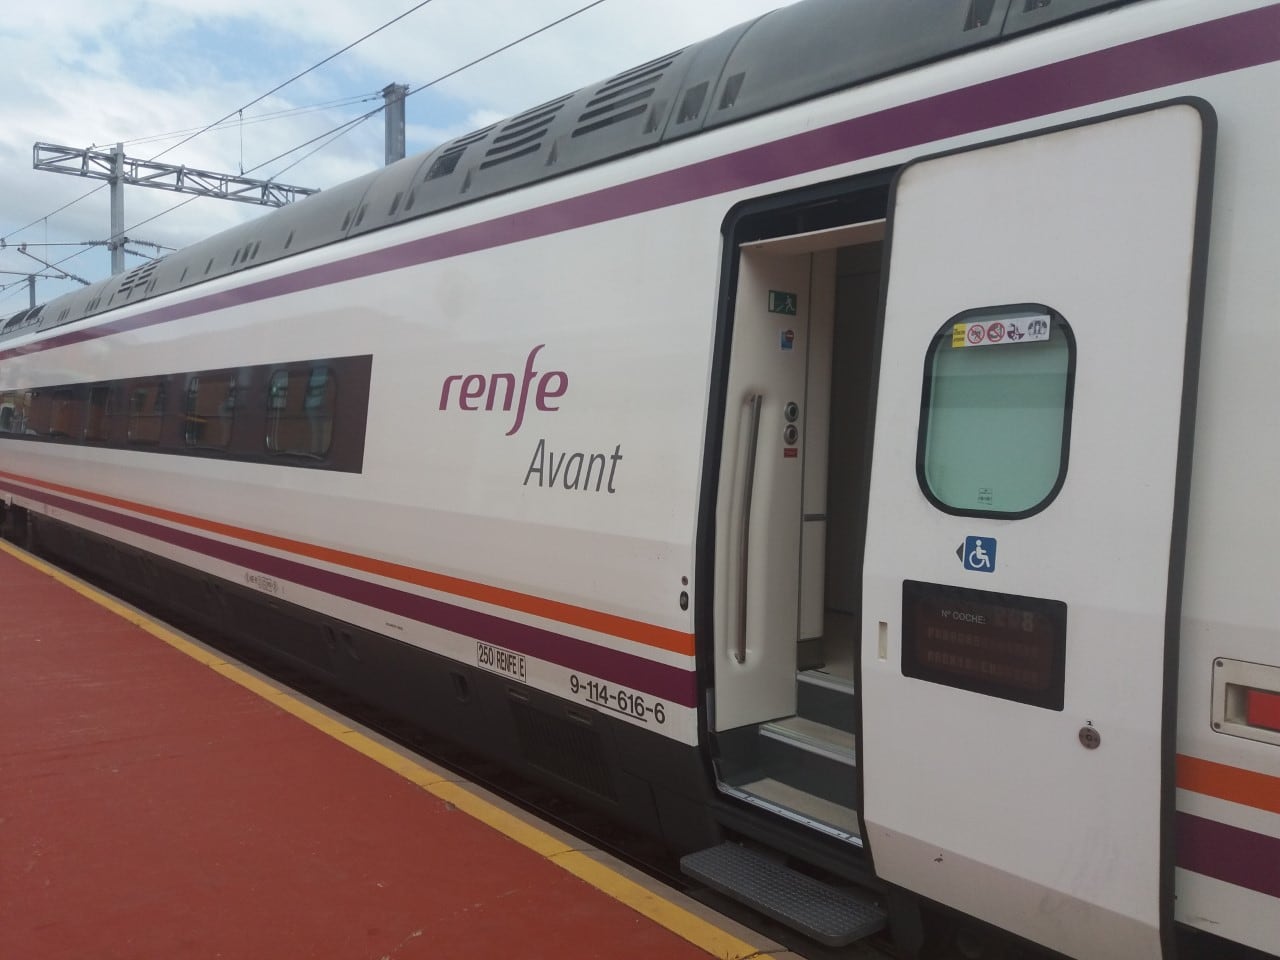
782	302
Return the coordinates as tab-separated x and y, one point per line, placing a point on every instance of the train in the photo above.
844	449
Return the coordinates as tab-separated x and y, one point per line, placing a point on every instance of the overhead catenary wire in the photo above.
347	126
278	87
334	134
297	76
258	118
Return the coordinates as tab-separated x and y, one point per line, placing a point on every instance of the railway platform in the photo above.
160	800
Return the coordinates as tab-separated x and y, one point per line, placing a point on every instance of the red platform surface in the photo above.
151	808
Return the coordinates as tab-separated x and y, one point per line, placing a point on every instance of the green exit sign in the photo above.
782	302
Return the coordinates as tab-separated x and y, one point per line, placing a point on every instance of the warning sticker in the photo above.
985	333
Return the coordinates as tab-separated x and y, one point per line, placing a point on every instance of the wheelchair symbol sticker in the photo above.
979	554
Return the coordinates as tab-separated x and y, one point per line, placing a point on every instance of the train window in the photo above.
39	413
95	421
996	413
146	411
210	410
13	411
300	407
302	422
67	412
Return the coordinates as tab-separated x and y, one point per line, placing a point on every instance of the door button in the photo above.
791	412
790	434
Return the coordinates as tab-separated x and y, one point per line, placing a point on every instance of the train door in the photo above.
1023	555
787	556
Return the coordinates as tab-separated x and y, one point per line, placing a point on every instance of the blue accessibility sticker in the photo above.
979	554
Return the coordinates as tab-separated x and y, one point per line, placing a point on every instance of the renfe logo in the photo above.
475	387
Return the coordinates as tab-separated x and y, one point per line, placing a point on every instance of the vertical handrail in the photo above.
755	401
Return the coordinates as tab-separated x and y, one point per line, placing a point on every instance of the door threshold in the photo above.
780	799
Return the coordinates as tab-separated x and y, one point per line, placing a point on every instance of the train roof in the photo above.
789	55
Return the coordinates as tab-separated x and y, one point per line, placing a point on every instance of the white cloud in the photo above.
84	72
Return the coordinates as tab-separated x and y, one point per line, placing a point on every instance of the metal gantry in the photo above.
117	169
113	165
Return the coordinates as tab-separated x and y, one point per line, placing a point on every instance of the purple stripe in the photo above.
1191	53
1230	854
638	673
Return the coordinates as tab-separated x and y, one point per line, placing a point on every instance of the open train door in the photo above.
1026	531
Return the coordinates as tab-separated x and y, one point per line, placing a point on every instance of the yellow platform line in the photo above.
697	931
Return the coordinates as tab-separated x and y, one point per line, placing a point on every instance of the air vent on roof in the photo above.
16	321
980	13
472	137
691	105
246	253
91	306
522	135
135	280
732	87
445	164
623	97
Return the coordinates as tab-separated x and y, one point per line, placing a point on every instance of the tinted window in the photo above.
13	411
300	406
67	413
210	410
286	414
997	411
95	424
146	411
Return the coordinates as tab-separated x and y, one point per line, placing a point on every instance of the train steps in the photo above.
833	916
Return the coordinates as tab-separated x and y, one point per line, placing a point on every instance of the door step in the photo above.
831	916
812	736
827	698
812	757
837	819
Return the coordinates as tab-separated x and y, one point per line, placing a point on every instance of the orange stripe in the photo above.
1246	787
648	634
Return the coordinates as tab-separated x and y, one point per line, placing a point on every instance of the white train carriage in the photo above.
786	445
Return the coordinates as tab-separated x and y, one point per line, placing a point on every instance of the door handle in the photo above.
755	402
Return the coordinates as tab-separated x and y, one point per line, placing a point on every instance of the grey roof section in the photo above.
821	46
793	54
1027	15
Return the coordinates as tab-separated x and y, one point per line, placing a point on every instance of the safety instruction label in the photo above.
988	333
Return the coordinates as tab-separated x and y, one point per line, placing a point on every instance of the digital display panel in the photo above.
996	644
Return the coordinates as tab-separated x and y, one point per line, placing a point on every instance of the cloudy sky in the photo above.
83	72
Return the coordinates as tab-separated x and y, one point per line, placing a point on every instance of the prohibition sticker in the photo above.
985	333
